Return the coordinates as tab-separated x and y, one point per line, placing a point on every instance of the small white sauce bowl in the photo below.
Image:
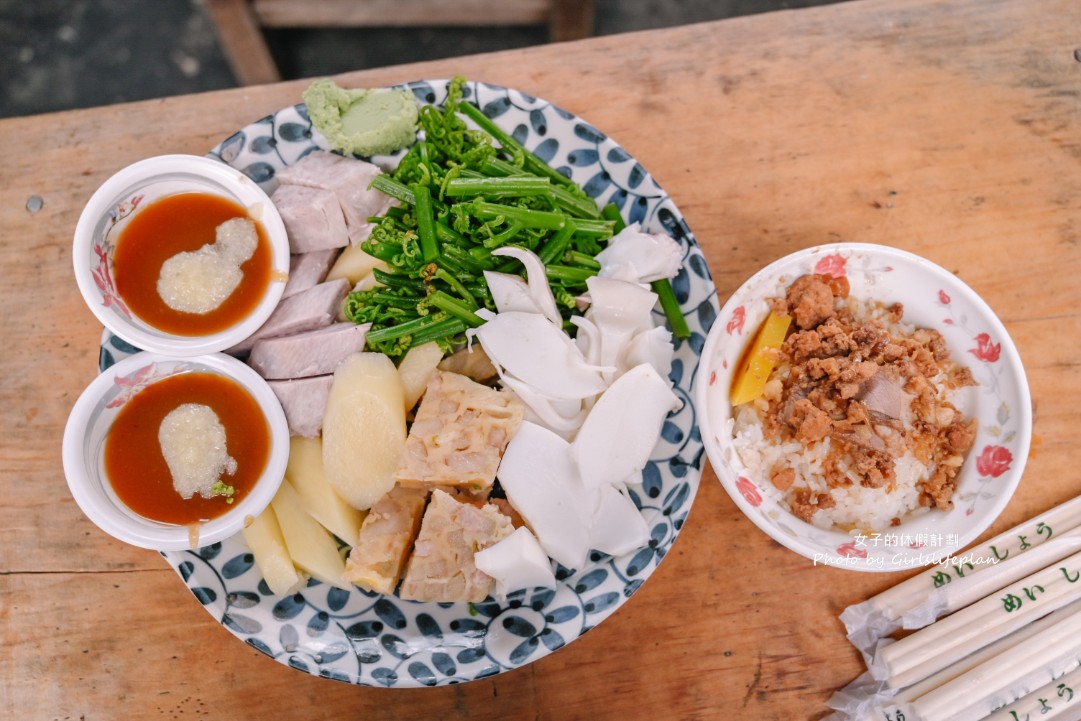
121	197
932	298
92	417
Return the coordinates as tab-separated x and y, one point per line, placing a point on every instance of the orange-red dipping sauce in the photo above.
136	467
171	225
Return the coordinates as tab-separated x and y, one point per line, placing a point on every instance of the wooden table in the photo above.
951	129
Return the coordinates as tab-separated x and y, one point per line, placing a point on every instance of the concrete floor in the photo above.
63	54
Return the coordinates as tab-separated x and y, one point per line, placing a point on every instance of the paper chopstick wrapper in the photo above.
947	641
1058	700
866	699
918	601
977	693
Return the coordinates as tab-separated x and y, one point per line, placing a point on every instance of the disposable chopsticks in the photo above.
990	625
1057	700
917	601
952	638
864	699
977	693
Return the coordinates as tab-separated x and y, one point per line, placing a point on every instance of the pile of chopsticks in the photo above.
994	633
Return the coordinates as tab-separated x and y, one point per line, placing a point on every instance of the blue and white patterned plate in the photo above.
373	640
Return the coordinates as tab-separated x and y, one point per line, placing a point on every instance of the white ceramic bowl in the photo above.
88	426
934	298
121	198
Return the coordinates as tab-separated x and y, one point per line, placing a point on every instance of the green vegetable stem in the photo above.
465	191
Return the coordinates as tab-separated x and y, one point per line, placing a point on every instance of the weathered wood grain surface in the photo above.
951	129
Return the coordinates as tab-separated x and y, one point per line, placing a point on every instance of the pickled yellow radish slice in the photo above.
758	361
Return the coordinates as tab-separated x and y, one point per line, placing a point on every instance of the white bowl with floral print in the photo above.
88	428
121	198
933	298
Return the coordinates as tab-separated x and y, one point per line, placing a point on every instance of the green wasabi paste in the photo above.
362	121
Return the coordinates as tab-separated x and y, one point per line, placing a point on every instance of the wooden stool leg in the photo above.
570	20
243	42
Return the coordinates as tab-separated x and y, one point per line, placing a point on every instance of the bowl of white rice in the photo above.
203	438
925	483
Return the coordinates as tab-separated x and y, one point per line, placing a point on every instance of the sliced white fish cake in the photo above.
517	562
618	526
639	257
536	351
621	430
539	296
541	481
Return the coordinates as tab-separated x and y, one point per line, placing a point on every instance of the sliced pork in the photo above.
303	401
313	218
348	179
316	307
311	353
308	269
885	396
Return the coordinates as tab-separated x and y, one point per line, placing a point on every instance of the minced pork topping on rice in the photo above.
855	426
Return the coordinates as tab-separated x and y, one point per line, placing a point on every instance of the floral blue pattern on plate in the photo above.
373	640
